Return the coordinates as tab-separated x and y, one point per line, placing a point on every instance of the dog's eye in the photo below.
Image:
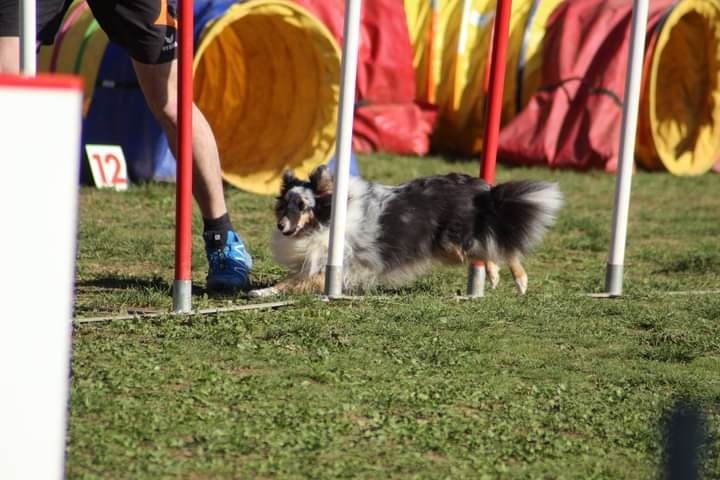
301	205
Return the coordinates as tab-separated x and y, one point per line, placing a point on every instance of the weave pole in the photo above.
623	180
28	37
351	40
500	39
182	286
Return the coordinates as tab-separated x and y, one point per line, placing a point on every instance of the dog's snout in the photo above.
284	225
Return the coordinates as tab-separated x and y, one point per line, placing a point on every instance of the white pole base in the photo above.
614	279
476	282
182	296
333	281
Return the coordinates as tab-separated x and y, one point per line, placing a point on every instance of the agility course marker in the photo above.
182	286
351	39
108	166
501	35
35	343
616	255
28	37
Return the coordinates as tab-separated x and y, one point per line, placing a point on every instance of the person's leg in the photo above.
9	37
147	30
159	85
229	261
9	55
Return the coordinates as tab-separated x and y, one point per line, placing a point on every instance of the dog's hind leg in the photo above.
493	273
519	274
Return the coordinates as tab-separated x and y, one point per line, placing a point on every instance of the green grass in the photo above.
407	383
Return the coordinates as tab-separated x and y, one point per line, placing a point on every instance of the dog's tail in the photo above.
514	216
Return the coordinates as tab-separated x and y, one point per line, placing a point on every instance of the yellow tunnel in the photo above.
461	43
679	124
267	78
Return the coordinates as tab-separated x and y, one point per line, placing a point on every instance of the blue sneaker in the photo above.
228	260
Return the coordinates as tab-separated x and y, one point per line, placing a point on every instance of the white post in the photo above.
28	37
39	184
476	281
333	272
614	273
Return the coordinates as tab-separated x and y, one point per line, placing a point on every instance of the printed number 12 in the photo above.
117	177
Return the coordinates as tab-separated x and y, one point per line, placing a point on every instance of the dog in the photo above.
395	233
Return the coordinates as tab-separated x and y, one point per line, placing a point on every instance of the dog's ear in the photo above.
321	181
289	180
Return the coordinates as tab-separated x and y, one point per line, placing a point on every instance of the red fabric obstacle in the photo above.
402	128
574	120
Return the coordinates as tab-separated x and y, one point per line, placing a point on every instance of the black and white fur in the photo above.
395	233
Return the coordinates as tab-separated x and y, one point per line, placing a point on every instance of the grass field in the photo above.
407	383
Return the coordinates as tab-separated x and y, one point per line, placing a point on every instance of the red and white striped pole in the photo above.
182	286
501	34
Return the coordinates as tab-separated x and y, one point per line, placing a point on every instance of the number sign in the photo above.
108	166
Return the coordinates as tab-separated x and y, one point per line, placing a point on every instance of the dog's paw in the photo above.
493	273
263	292
521	282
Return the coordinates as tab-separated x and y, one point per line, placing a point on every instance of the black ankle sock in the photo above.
220	225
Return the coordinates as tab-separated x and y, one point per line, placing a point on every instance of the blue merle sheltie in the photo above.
395	233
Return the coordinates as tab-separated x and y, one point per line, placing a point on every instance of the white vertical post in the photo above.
35	332
476	280
28	37
614	272
351	36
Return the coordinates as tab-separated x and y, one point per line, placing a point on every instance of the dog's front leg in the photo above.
297	283
311	284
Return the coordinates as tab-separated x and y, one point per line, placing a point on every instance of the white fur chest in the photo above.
307	254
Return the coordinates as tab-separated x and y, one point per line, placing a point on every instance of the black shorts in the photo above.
146	29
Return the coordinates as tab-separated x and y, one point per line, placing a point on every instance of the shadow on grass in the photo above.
121	282
159	285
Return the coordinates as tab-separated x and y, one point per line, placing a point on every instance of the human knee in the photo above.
169	112
165	110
